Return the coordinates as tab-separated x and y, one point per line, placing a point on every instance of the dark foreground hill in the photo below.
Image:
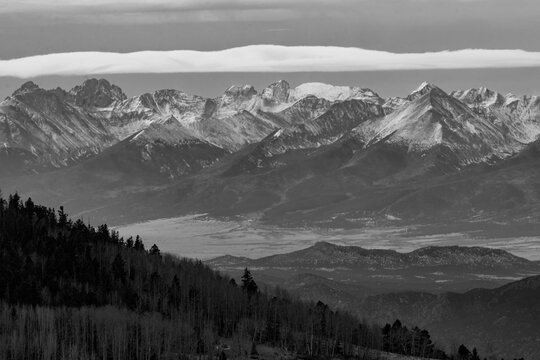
72	291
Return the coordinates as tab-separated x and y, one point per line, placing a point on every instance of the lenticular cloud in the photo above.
262	58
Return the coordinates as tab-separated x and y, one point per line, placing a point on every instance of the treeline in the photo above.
69	290
417	342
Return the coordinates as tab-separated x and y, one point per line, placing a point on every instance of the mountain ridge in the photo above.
341	157
324	253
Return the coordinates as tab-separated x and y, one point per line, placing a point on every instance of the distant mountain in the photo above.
311	155
434	268
96	93
518	115
436	121
59	126
331	255
47	124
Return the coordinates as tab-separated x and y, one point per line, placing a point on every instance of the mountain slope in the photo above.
47	124
434	119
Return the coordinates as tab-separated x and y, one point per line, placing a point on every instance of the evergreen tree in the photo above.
138	244
463	353
248	283
62	217
154	250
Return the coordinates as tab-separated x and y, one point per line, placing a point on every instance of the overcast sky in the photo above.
39	27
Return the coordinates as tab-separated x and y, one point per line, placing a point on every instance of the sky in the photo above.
388	45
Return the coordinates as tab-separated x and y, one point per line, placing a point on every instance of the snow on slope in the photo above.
59	125
333	93
519	115
47	124
433	118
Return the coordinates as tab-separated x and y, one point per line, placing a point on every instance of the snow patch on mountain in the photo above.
333	93
433	118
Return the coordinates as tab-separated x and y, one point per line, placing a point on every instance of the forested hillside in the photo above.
69	290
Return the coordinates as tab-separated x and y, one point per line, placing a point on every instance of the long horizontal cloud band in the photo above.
262	58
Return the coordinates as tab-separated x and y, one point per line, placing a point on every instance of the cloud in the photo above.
12	6
262	58
118	12
159	11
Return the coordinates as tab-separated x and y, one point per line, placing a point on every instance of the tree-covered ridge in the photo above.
71	290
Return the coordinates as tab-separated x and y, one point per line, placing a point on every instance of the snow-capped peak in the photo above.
423	86
421	90
332	92
479	97
276	93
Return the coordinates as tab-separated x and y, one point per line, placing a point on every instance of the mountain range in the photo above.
311	155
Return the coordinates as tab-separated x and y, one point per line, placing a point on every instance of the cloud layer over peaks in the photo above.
262	58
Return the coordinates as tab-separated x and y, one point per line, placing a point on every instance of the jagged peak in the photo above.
479	96
94	81
241	90
27	87
424	88
277	92
280	83
97	93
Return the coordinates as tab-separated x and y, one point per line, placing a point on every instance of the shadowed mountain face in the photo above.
315	155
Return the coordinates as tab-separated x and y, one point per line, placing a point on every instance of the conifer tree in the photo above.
154	250
248	284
